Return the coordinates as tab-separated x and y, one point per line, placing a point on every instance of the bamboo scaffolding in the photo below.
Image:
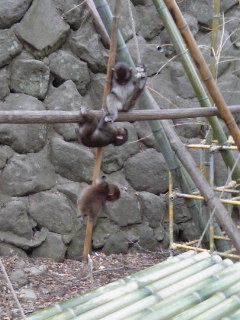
158	132
204	70
107	89
214	203
194	78
49	116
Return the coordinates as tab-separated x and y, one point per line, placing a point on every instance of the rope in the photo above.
134	32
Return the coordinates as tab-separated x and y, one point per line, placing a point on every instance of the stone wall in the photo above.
52	58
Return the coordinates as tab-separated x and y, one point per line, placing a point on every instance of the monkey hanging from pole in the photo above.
93	133
92	199
127	86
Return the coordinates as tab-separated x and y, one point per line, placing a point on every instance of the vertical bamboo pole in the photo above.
107	89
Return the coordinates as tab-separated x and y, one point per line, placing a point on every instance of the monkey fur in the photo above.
127	85
92	200
93	133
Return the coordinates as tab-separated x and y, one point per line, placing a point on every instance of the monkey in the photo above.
92	200
127	85
93	133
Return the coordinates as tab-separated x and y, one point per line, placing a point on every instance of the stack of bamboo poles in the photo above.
184	287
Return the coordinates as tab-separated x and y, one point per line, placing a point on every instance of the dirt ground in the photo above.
56	282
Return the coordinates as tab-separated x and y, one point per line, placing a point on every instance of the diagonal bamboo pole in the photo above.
187	62
204	70
107	89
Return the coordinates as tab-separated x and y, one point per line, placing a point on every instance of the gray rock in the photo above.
23	138
151	23
27	294
37	270
53	211
72	161
12	11
229	87
86	44
205	44
232	18
180	83
114	157
10	46
4	83
73	13
147	171
141	2
181	213
30	76
26	174
150	56
42	28
8	250
5	154
75	249
14	218
72	190
153	208
19	278
102	231
141	237
65	66
125	23
162	84
188	128
116	243
188	231
145	134
124	211
66	97
21	242
96	89
53	248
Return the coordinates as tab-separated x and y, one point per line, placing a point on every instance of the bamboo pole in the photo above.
51	117
187	62
107	89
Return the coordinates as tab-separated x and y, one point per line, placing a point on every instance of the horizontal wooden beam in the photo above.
49	116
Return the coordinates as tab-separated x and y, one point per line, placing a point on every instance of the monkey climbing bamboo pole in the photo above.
193	76
107	89
173	163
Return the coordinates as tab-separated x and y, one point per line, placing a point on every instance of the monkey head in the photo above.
121	136
122	72
113	192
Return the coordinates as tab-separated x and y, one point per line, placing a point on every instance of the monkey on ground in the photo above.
93	133
92	200
127	85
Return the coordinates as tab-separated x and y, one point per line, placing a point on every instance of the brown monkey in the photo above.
127	85
92	200
94	133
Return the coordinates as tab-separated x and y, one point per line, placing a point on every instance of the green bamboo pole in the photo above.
161	295
215	26
171	159
146	276
208	286
194	78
